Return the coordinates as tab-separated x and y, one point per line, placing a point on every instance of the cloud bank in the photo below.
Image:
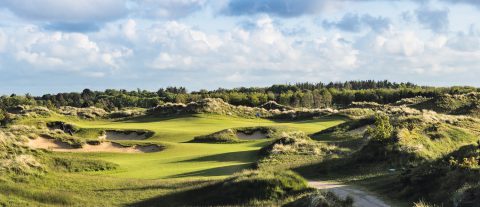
52	45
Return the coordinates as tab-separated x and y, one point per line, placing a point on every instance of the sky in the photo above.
49	46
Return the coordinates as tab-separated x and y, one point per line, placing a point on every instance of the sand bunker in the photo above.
58	146
125	135
255	135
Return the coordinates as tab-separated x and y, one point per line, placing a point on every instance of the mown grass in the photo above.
181	159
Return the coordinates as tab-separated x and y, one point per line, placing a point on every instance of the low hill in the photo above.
452	180
218	106
461	104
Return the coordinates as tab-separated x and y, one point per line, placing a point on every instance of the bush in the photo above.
383	128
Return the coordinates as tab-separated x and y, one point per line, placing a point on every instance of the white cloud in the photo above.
166	45
175	46
404	54
62	51
129	29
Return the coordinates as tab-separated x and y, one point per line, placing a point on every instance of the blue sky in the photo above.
49	46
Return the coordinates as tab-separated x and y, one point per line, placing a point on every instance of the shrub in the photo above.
383	128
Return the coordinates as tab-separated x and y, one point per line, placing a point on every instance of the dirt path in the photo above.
361	198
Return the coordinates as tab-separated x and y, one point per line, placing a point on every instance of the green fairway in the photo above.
192	160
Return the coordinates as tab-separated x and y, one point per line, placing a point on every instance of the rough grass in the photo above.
17	195
293	149
79	189
451	180
64	162
16	159
428	141
463	104
246	188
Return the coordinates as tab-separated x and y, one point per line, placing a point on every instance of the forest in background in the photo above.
308	95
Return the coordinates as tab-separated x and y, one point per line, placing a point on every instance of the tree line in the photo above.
310	95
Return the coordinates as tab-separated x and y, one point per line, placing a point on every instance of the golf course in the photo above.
181	159
209	152
126	176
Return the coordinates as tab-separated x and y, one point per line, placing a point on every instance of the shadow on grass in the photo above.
158	187
153	118
216	171
189	197
242	156
306	120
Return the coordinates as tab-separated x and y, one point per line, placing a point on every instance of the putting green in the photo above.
192	160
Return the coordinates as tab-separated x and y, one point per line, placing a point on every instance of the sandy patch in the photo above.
255	135
127	135
58	146
50	144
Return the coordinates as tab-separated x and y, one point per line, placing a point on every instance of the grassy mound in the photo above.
218	106
85	113
15	158
248	188
356	113
408	141
30	111
452	180
208	105
344	127
272	105
463	104
419	138
293	149
75	164
126	113
232	135
347	135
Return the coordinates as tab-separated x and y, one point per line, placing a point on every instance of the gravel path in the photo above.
361	198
